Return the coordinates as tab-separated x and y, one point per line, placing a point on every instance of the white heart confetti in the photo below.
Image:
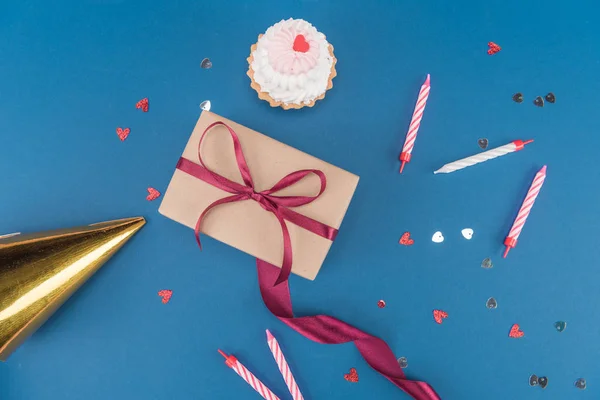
467	233
437	237
205	105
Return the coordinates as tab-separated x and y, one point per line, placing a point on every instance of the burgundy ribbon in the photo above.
273	281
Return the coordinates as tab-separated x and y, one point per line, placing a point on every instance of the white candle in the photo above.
481	157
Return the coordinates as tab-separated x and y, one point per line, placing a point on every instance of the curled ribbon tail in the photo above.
330	330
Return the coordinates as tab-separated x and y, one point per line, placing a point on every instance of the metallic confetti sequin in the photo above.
493	48
206	63
166	295
518	97
491	303
439	315
352	376
539	102
487	263
533	380
437	237
467	233
560	325
543	381
580	384
403	362
123	133
381	303
153	194
516	332
550	98
406	240
483	143
142	104
205	105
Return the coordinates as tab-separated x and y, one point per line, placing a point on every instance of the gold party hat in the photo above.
40	271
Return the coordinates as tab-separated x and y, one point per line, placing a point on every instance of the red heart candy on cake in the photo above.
152	194
300	44
439	315
406	240
516	332
352	376
123	133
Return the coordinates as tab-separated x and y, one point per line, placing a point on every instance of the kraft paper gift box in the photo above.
245	225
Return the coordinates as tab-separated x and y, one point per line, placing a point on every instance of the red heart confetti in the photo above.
300	44
143	104
166	295
381	303
493	48
406	240
352	376
153	194
123	133
516	332
439	315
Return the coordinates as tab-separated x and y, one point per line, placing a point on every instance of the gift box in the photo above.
248	225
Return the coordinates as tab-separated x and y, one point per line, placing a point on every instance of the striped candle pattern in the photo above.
415	122
481	157
283	366
248	376
532	193
253	381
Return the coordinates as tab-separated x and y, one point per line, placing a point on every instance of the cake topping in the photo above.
300	44
292	62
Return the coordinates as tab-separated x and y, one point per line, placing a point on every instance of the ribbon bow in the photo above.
274	285
278	205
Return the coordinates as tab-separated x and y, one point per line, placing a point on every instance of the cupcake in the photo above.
292	65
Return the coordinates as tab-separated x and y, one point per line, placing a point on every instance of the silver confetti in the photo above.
543	381
533	380
491	303
403	362
483	143
206	63
560	326
205	105
580	384
487	263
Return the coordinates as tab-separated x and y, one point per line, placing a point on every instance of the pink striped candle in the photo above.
246	375
415	122
283	366
511	240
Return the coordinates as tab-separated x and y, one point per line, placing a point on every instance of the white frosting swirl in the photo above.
287	75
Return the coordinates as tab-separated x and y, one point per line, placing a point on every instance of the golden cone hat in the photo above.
40	271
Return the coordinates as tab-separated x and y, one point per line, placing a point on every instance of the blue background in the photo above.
71	72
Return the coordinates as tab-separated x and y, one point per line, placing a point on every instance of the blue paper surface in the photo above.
71	72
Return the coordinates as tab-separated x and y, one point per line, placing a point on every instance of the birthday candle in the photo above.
511	240
415	122
249	377
283	366
481	157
